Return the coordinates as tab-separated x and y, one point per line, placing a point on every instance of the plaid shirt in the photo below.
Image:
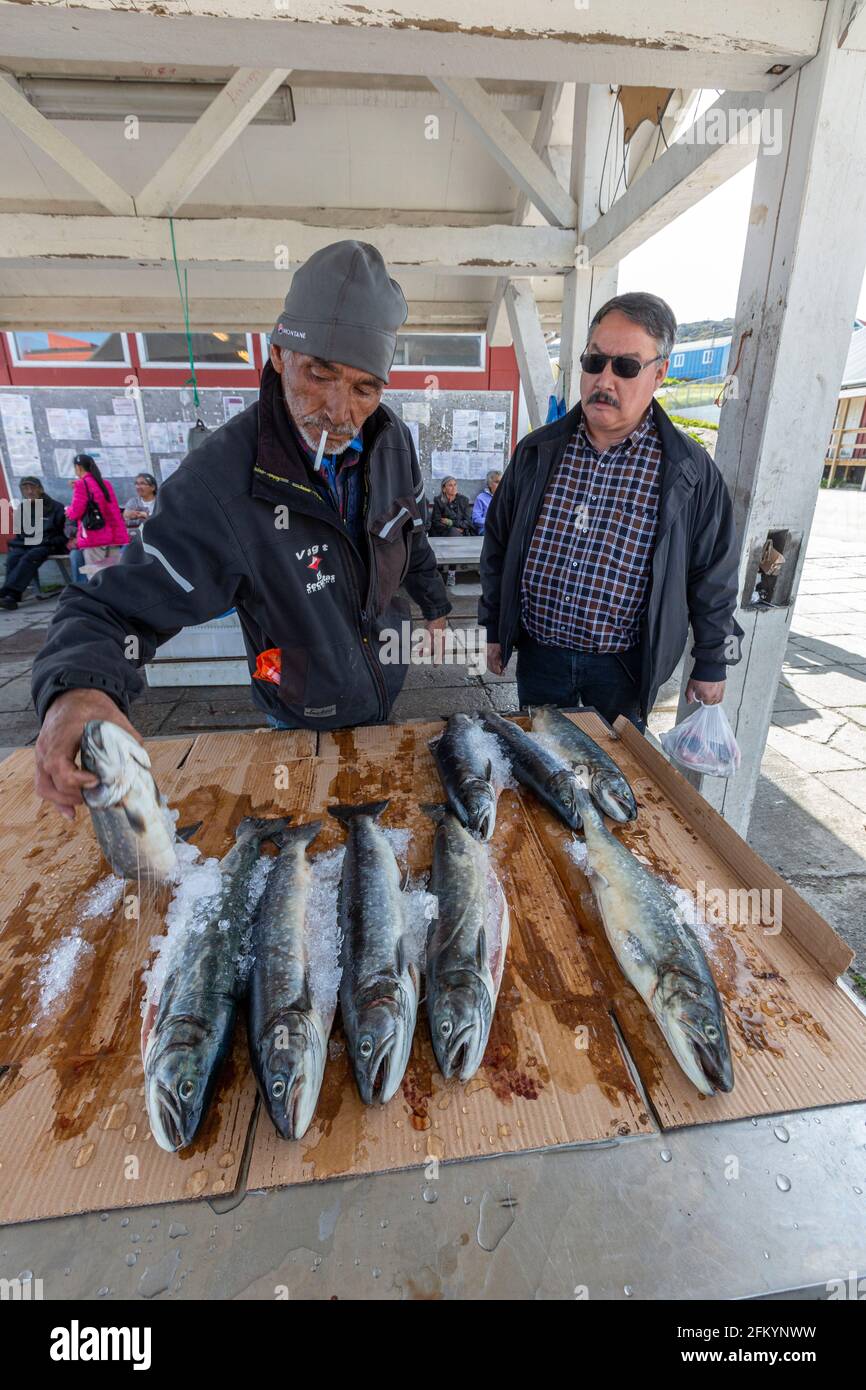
586	579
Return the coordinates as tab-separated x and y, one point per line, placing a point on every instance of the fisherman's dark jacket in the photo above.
241	525
693	578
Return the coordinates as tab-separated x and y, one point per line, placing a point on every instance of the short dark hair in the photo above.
652	313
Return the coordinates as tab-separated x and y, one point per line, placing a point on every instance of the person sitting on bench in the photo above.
41	534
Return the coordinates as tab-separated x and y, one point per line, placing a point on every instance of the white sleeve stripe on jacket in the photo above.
169	568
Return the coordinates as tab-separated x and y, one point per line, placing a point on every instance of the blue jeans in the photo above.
76	560
609	681
275	723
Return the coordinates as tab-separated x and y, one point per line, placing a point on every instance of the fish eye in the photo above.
446	1027
278	1090
365	1047
186	1090
712	1033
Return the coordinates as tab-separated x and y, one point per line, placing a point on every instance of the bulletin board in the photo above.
464	434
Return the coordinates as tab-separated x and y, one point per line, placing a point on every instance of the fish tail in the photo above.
261	827
293	833
346	813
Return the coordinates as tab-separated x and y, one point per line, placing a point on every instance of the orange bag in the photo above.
268	666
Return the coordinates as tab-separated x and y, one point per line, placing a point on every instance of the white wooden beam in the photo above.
501	138
206	142
282	244
72	160
498	332
533	359
678	179
123	313
733	46
775	425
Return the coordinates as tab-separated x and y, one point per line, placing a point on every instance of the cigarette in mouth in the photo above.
321	449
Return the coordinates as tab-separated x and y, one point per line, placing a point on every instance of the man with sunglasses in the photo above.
610	533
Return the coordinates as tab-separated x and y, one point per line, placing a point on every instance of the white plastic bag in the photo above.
704	742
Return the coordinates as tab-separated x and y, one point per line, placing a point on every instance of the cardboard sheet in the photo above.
574	1055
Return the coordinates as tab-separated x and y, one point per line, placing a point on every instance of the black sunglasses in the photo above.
593	363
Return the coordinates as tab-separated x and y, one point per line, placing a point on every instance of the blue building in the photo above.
707	358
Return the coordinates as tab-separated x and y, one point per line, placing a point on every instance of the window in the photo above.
678	359
216	349
454	352
68	347
707	355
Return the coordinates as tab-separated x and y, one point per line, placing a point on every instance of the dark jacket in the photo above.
459	512
240	524
53	527
694	566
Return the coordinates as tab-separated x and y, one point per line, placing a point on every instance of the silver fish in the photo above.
659	955
187	1029
466	775
608	787
379	987
131	818
288	1037
551	778
466	947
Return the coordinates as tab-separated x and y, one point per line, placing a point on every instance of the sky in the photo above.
694	263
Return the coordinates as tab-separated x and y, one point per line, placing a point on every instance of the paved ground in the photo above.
810	809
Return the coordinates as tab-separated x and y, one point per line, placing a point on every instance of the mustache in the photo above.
604	397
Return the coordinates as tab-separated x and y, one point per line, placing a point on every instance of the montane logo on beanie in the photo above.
290	332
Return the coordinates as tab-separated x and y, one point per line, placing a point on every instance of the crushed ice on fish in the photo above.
193	902
487	748
324	940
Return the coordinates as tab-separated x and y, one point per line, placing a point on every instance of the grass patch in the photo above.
858	981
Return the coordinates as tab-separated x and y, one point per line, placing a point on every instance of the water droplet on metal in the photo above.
430	1194
132	1259
627	1290
495	1219
665	1155
783	1183
781	1134
103	1292
124	1221
383	1224
467	1200
376	1272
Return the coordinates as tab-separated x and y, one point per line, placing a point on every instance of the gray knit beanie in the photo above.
344	307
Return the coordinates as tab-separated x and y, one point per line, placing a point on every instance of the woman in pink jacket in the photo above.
101	546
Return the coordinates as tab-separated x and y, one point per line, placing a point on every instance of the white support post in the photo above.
72	160
533	359
206	142
585	289
802	269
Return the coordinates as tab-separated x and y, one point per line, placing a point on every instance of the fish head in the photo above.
179	1074
480	803
291	1064
614	797
460	1015
567	790
384	1025
111	755
691	1016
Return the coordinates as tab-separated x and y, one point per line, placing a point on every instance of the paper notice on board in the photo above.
464	429
169	466
118	431
68	424
167	436
491	430
440	461
123	405
412	426
417	411
112	463
232	406
22	446
474	463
